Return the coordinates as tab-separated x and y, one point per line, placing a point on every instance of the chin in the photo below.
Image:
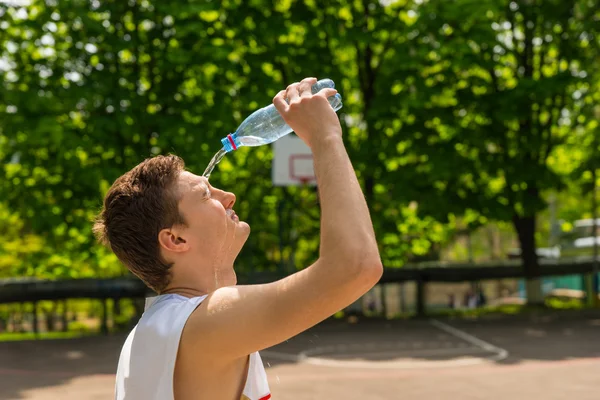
241	234
244	228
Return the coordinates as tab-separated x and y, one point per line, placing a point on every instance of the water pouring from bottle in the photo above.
213	163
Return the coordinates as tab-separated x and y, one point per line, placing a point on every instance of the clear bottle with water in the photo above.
266	125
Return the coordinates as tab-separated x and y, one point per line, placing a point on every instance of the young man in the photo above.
201	336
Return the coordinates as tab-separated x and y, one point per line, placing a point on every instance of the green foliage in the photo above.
498	88
551	307
78	327
455	113
18	337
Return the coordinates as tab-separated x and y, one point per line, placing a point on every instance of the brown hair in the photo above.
136	208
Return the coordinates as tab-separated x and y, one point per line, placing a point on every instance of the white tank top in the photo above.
147	360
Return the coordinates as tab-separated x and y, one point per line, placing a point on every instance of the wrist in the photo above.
326	143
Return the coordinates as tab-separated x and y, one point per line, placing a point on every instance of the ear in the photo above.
171	240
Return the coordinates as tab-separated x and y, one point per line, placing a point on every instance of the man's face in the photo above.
213	229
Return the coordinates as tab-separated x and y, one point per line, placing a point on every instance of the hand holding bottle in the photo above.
309	115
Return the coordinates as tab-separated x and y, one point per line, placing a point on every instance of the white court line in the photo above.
305	356
501	353
415	353
405	353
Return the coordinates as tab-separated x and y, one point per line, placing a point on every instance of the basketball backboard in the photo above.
292	163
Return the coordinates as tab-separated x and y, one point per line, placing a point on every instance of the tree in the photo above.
456	113
493	92
91	88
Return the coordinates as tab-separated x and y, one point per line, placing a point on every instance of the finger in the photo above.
305	87
327	92
279	102
292	92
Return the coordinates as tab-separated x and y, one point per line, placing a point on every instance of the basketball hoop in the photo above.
305	181
292	163
301	168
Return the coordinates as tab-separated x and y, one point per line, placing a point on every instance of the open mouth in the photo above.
231	214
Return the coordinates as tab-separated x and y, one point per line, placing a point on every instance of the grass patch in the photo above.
565	304
551	304
16	336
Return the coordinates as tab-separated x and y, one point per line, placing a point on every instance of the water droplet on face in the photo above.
277	377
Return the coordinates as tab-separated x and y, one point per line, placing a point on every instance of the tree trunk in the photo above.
51	317
525	227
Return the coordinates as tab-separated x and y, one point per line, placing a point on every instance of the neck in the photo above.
195	280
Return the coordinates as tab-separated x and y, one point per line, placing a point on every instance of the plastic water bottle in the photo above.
266	125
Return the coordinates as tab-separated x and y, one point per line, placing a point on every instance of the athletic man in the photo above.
201	336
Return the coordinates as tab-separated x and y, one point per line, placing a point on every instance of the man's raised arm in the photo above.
236	321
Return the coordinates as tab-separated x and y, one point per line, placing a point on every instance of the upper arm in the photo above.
238	320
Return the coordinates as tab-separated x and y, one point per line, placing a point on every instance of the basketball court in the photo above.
508	358
552	357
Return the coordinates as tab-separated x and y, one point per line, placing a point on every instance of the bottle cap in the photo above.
230	142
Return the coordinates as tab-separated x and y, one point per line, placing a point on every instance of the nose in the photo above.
228	199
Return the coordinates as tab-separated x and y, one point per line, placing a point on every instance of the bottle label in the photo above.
232	142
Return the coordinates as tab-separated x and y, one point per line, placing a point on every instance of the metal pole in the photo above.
36	329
